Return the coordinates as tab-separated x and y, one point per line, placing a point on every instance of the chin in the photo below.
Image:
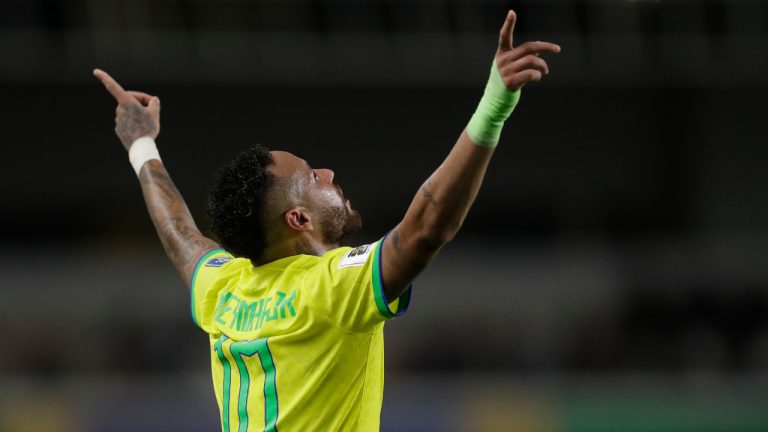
338	223
353	223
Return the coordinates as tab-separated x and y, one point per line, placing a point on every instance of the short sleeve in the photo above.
348	288
208	275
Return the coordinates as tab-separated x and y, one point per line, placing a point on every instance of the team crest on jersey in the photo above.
356	257
218	261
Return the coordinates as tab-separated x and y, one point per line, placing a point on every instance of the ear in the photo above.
299	219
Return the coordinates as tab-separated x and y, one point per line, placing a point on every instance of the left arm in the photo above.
438	209
138	116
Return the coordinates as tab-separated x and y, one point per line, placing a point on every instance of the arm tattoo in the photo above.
182	241
427	194
396	241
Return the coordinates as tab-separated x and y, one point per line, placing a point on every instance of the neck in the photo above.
303	244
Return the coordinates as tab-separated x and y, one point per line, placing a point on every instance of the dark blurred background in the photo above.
611	276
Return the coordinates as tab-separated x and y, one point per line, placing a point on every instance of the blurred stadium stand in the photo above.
612	275
381	42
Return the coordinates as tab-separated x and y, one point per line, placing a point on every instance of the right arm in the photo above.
441	204
137	116
182	240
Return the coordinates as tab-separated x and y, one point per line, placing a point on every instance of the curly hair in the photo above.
236	202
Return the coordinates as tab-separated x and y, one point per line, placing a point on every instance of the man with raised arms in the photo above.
295	320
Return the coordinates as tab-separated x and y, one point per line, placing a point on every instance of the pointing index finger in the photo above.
505	35
111	85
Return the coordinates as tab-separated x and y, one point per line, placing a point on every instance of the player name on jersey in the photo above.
246	316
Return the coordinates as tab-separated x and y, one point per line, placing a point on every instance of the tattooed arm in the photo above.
182	241
434	216
439	208
138	115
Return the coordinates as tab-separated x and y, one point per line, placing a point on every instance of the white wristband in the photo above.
142	150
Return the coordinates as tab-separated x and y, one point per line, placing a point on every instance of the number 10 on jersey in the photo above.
242	353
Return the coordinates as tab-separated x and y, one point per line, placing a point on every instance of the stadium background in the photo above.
611	276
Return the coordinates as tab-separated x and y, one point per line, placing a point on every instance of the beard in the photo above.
338	223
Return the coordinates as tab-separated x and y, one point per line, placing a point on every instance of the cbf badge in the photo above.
218	261
356	257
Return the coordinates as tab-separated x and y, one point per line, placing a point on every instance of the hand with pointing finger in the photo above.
522	64
137	114
512	68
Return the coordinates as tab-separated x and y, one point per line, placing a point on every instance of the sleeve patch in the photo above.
217	262
356	257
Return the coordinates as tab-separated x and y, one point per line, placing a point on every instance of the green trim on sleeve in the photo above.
382	303
194	279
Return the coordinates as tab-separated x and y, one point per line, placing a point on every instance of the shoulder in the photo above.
300	266
343	262
345	257
220	260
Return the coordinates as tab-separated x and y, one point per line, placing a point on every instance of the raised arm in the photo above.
441	204
138	116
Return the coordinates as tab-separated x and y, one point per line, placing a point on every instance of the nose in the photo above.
328	174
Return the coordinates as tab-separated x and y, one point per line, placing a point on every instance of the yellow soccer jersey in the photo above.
297	344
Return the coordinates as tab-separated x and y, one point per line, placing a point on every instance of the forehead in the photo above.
287	164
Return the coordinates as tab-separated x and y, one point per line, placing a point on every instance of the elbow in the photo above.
434	237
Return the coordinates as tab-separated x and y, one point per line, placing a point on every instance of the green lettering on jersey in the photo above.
245	315
248	316
264	312
272	316
284	301
257	314
223	307
237	303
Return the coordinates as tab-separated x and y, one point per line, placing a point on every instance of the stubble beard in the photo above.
338	223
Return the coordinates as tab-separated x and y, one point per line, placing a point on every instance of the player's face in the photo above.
318	192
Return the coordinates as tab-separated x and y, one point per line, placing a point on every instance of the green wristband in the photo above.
497	103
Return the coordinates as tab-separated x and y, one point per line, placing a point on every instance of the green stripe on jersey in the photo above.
378	288
203	259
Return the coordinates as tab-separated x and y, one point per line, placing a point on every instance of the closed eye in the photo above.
314	174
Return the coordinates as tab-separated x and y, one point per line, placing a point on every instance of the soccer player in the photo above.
295	321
